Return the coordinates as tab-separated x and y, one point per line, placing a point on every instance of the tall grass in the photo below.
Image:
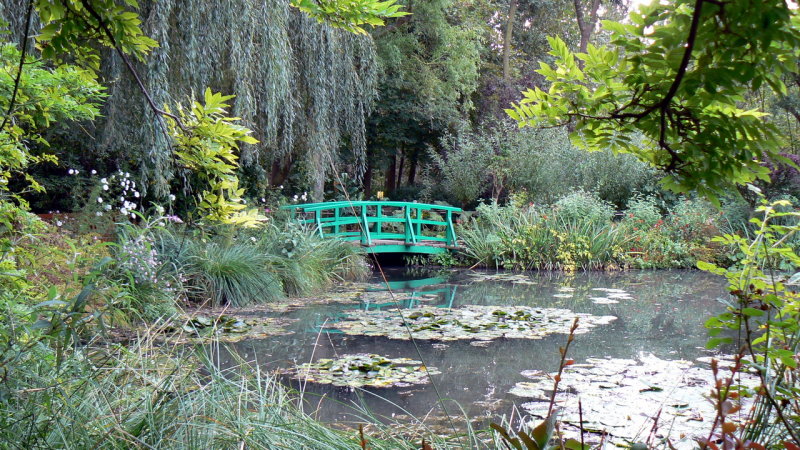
154	397
233	274
248	267
526	238
306	263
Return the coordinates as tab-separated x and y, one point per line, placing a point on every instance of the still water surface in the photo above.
663	317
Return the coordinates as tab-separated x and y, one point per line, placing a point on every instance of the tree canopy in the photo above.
678	74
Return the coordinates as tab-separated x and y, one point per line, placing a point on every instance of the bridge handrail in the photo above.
371	227
311	207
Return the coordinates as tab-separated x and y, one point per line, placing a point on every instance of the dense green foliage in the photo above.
676	75
44	97
336	103
578	233
764	308
541	163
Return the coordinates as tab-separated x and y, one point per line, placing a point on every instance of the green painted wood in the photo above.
382	226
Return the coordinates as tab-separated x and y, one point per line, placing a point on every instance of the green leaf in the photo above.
544	431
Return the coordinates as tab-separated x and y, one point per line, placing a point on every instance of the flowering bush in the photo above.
143	271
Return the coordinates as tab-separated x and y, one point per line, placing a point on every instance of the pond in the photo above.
640	334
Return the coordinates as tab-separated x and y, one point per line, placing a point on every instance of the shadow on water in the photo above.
664	317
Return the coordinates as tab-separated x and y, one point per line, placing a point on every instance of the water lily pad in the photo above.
603	301
514	278
623	396
361	370
225	328
470	322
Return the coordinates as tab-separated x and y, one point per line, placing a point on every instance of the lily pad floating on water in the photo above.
622	396
225	328
514	278
470	322
361	370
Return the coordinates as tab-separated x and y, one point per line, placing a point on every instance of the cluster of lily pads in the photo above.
226	328
514	278
361	370
610	297
472	322
622	397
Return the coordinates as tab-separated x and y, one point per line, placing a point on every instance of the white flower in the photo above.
99	199
262	200
136	194
280	187
59	223
171	197
94	172
98	213
127	175
123	210
252	238
122	199
104	180
71	172
105	187
133	216
108	207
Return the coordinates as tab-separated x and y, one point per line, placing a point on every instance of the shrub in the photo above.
642	211
582	207
520	236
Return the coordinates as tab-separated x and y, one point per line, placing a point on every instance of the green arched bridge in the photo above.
383	227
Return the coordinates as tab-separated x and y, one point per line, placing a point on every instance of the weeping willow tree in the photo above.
303	87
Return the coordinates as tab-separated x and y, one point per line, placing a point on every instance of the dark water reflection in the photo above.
664	317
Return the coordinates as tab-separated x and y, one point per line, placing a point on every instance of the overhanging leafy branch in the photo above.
678	77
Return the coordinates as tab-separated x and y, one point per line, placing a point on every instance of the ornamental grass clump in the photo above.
234	274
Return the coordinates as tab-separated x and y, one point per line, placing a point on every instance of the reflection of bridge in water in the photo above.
383	227
408	294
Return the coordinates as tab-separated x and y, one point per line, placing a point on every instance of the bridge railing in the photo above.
371	221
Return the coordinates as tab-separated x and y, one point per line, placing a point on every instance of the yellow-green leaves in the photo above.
350	15
206	143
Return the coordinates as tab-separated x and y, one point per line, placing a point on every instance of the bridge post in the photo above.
365	238
378	215
410	238
317	218
451	232
419	223
336	220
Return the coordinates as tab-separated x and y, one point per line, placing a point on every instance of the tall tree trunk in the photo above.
280	171
366	181
586	27
512	12
391	173
400	169
412	168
